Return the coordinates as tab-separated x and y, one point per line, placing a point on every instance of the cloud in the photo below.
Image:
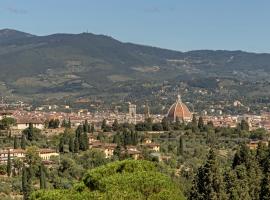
17	11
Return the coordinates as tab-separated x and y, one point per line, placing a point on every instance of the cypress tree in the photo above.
69	123
117	151
115	125
9	165
76	145
208	183
85	141
201	124
42	177
61	145
104	124
86	126
92	128
194	120
180	149
23	142
71	144
26	183
15	144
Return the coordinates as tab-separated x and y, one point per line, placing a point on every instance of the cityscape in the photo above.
134	100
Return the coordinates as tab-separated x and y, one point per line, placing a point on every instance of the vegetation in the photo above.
119	180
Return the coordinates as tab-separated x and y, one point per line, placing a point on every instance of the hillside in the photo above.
84	64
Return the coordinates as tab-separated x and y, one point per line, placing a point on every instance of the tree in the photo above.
61	145
92	128
117	151
194	120
201	124
42	177
180	148
244	126
86	126
69	123
115	125
7	122
208	183
71	144
76	145
165	124
23	142
31	133
104	124
128	179
15	143
265	187
9	164
26	183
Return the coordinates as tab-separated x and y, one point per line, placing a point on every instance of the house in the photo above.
147	141
153	147
132	151
252	145
44	154
24	123
106	148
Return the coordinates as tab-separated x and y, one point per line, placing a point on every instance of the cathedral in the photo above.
179	110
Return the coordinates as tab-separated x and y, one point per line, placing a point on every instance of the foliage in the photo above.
119	180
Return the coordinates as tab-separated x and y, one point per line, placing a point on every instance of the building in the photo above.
22	124
252	145
44	154
132	113
179	111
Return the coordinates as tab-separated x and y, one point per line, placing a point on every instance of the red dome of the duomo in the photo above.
179	110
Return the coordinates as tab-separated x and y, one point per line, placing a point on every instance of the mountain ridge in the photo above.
85	63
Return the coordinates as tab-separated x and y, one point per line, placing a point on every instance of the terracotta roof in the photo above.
180	110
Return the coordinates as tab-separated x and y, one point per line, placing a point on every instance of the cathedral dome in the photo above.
179	110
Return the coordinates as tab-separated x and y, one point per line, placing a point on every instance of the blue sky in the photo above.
175	24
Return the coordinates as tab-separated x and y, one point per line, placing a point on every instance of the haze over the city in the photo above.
175	24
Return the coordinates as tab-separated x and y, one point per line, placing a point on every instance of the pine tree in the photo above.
208	183
23	142
9	167
15	144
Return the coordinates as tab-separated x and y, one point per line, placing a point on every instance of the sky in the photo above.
173	24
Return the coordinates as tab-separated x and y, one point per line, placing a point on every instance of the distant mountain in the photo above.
79	63
9	34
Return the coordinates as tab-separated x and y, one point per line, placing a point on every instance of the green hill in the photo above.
84	64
